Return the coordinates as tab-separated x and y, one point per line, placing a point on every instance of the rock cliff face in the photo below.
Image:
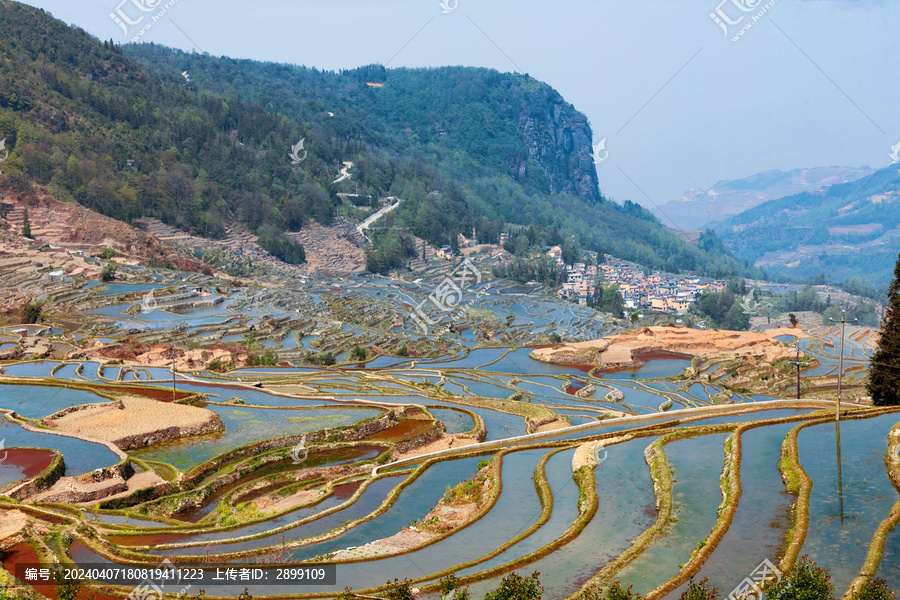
558	138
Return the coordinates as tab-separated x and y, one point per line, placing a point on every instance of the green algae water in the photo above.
696	465
843	519
763	513
247	425
626	508
564	492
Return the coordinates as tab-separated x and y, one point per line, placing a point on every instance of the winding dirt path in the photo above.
344	174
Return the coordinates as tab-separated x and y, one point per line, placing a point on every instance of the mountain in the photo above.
202	143
465	147
696	208
841	231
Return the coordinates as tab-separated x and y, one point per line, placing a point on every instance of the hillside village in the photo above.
640	289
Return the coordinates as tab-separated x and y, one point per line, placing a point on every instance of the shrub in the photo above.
267	359
516	587
450	588
614	592
321	358
804	581
26	226
876	589
108	273
32	313
699	591
67	589
399	590
216	364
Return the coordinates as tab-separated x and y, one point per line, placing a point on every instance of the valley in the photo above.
277	331
314	463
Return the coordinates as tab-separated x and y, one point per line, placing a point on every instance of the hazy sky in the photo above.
681	105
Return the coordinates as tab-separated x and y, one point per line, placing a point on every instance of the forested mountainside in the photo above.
201	142
465	147
845	230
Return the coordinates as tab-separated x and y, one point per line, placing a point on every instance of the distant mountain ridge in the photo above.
696	208
844	230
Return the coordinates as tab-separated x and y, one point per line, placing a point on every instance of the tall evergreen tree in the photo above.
884	377
26	226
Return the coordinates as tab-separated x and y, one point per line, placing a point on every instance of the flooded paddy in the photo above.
246	425
373	497
696	464
36	401
79	456
471	362
20	463
564	492
626	507
763	513
850	497
414	502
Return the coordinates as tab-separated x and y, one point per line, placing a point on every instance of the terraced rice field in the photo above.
460	454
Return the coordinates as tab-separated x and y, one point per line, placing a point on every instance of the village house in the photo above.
661	292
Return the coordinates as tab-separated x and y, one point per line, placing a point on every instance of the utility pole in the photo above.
843	323
173	372
837	442
797	362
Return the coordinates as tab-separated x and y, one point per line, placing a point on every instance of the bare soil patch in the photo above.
11	523
551	426
134	421
444	442
74	227
625	349
161	355
266	503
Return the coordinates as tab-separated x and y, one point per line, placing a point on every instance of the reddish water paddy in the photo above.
576	385
25	554
30	461
661	355
404	429
161	394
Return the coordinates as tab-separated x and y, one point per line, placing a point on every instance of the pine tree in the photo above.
884	378
26	226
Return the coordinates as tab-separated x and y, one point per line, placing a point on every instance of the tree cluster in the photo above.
883	384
